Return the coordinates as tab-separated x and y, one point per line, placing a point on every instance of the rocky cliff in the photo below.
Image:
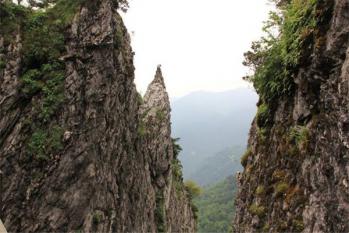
296	176
80	150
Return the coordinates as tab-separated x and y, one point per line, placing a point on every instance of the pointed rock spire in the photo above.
158	77
156	97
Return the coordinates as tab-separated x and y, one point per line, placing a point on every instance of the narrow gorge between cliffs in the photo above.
230	133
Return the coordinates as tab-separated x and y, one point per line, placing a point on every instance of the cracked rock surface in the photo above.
107	176
302	186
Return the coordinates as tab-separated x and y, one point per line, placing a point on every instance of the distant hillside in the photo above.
209	122
216	206
216	168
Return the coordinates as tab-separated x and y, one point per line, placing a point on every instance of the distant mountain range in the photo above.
209	123
214	168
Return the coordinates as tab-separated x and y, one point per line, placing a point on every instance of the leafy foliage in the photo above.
176	164
275	58
193	189
97	217
160	115
142	130
160	215
257	210
43	73
298	224
2	64
43	143
263	115
12	16
262	135
177	167
260	191
245	156
300	136
281	188
176	147
216	206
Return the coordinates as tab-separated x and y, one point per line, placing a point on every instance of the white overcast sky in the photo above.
200	43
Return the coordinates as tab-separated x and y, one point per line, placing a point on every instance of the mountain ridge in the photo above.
208	122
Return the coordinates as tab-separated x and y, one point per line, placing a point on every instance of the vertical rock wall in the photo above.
104	175
297	173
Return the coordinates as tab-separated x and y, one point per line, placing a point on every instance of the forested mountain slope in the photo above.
209	122
218	167
216	206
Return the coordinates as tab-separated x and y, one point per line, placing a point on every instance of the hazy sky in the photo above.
200	43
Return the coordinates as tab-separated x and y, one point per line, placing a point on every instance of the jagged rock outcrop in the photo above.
99	160
297	172
174	212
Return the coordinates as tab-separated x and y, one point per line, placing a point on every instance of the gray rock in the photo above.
314	172
105	178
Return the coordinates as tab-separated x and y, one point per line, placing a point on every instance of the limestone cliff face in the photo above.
296	176
102	160
174	212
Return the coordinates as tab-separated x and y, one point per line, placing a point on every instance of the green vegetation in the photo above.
177	169
276	57
193	189
37	145
216	206
140	99
262	135
298	225
266	227
219	166
160	115
176	166
190	188
282	226
96	219
263	115
281	188
300	136
142	130
258	210
64	11
2	64
176	147
245	156
41	143
160	215
12	16
43	72
260	191
118	38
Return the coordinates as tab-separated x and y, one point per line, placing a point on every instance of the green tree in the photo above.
176	147
275	58
216	206
193	188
